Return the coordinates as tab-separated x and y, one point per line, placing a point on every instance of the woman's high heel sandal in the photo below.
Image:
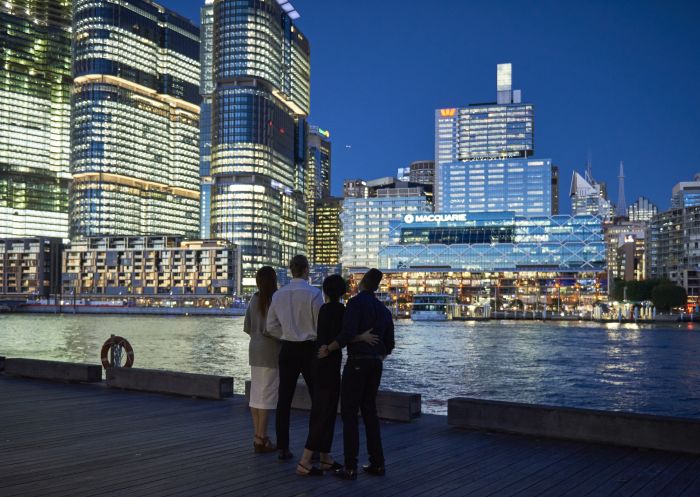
306	471
330	466
265	445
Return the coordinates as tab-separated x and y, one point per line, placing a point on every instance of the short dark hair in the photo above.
334	287
370	281
298	265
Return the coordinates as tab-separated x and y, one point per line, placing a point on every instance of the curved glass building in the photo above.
135	120
35	51
258	137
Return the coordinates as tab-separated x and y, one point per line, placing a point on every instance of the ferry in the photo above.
433	307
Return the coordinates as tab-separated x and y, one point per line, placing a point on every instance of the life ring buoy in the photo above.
115	341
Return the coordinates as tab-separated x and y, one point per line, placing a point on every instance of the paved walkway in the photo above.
84	440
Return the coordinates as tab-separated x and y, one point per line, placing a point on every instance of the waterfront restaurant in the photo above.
497	262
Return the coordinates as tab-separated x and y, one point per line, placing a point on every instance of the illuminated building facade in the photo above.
626	250
521	186
326	229
642	210
355	188
144	269
588	197
35	54
258	153
686	194
368	224
206	88
422	171
135	120
30	267
318	187
672	250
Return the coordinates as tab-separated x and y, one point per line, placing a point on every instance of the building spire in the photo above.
621	202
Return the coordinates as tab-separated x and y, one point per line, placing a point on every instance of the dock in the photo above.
72	440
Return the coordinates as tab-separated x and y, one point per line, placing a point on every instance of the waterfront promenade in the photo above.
85	440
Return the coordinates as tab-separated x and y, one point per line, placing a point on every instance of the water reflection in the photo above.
625	367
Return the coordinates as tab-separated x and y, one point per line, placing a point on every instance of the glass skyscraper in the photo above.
135	120
318	183
492	139
258	151
522	186
206	89
35	51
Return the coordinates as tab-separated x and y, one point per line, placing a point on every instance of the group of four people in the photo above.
292	332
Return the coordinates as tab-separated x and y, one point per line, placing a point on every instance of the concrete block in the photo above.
587	425
171	382
54	370
391	406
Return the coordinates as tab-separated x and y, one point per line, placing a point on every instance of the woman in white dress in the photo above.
263	354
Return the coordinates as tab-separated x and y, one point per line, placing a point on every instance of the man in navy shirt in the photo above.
363	373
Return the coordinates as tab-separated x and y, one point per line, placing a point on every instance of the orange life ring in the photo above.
115	341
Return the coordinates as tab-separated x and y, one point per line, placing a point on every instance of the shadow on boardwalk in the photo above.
79	440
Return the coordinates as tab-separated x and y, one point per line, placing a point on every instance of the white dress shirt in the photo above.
293	313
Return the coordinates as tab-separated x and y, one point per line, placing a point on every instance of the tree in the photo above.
618	289
667	295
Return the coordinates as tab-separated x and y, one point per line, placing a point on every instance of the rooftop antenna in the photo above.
589	168
621	202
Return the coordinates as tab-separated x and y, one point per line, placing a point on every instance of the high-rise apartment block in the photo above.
258	152
482	155
674	249
135	120
30	267
35	54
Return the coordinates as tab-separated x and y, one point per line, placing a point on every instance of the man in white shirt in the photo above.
292	319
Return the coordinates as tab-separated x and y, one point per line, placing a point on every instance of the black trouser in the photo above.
325	403
295	358
361	378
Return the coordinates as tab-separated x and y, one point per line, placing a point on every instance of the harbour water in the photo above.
645	368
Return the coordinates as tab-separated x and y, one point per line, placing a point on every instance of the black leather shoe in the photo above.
371	469
345	474
284	455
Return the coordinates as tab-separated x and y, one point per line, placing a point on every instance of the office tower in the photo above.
355	188
588	197
35	51
422	172
494	140
318	181
326	232
641	210
258	160
521	186
206	88
555	190
686	194
368	224
625	249
135	120
621	208
403	174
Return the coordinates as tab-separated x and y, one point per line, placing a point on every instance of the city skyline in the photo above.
589	71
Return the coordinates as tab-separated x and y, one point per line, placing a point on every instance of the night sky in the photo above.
617	79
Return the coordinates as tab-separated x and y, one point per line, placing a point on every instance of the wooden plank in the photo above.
53	370
171	382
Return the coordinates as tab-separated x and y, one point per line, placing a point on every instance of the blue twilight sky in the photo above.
618	78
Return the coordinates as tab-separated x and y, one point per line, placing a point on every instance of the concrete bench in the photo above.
53	370
391	406
587	425
171	382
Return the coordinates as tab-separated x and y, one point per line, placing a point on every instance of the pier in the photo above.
64	439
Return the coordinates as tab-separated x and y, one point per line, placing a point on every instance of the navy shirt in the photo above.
365	311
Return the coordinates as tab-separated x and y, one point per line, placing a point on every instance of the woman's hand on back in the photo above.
368	337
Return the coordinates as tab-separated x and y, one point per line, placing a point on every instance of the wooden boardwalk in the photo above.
80	440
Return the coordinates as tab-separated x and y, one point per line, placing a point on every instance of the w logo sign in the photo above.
447	112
